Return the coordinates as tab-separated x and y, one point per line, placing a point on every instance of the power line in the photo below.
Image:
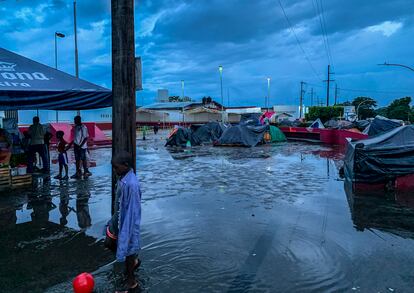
297	40
326	33
366	90
318	15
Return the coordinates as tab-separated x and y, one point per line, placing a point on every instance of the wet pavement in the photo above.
274	218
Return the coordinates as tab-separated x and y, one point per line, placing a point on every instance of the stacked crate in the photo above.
4	177
21	180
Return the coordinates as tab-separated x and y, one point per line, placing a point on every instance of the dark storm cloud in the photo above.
188	39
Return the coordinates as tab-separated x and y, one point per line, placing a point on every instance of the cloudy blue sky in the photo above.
252	39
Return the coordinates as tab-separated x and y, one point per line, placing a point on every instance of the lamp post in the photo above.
357	109
182	90
395	64
268	94
57	35
221	92
76	44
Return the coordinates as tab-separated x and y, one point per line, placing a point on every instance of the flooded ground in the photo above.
266	219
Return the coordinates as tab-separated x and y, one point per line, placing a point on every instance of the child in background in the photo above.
63	156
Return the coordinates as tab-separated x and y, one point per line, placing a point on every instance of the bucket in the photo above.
21	170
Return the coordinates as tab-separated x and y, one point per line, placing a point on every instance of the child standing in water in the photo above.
123	231
63	156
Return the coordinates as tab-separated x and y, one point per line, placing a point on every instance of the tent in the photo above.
250	119
381	158
338	124
207	133
317	124
179	137
381	125
242	135
276	135
26	85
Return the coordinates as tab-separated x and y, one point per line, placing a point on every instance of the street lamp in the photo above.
221	91
268	94
57	35
182	90
395	64
76	44
357	110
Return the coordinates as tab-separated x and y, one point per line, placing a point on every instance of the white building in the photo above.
162	95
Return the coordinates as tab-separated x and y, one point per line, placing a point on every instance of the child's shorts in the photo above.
63	159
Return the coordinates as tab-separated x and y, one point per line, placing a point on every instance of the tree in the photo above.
364	106
400	109
179	99
382	112
324	113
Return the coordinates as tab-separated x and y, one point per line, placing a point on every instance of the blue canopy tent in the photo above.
27	85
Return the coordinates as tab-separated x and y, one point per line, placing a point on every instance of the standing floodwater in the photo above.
265	219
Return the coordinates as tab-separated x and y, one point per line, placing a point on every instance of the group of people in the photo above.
37	140
123	230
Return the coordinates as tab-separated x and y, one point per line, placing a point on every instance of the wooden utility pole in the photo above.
123	82
328	81
336	94
302	91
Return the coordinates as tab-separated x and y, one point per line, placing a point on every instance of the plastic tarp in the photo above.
250	119
179	137
243	135
380	125
27	85
208	133
317	124
276	134
267	116
338	124
381	158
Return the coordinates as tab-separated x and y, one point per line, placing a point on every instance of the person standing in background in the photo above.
80	147
37	145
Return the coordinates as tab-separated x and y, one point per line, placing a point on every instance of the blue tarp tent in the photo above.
27	85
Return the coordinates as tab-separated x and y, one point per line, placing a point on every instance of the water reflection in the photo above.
388	212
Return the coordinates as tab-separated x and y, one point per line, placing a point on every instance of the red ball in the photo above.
83	283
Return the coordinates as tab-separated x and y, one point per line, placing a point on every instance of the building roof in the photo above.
169	105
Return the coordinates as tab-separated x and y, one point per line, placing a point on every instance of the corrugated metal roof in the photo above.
171	105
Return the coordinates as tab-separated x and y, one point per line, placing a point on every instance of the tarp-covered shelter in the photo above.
338	124
207	133
317	124
381	125
250	119
276	135
243	135
26	85
179	137
381	158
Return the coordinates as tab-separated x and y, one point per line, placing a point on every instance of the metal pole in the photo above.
76	44
301	99
182	90
327	87
268	94
221	91
123	82
55	51
57	113
357	110
395	64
